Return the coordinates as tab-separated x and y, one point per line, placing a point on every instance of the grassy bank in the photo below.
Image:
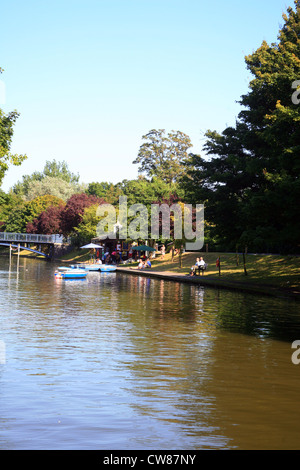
76	256
265	273
269	274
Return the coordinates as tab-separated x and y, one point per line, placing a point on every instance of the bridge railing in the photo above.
31	238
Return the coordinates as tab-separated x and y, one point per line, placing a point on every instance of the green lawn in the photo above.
268	270
263	271
77	256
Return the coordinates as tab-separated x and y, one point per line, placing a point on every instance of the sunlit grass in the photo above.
77	256
262	270
272	270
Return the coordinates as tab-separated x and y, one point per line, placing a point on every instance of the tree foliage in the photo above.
163	156
72	213
48	222
24	213
86	229
250	177
108	191
56	179
7	122
143	191
53	186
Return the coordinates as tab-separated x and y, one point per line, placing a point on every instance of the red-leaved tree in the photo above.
72	213
48	222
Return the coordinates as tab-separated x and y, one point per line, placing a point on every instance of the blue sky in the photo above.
90	78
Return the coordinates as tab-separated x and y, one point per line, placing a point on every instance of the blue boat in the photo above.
64	268
87	267
71	274
105	268
92	267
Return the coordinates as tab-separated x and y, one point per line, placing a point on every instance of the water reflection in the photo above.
120	361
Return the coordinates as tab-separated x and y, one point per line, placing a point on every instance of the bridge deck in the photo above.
25	248
30	238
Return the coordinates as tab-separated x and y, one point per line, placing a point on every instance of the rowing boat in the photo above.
71	274
105	268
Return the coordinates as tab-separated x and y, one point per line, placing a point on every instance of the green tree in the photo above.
60	170
55	179
52	185
8	202
143	191
7	122
86	230
25	213
250	177
163	156
108	191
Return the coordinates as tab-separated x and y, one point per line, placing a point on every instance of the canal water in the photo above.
118	361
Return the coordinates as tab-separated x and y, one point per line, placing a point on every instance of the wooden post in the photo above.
219	264
18	263
244	260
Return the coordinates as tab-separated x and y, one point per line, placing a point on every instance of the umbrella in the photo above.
143	248
91	245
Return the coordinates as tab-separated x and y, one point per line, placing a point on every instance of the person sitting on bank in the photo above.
201	265
193	271
141	264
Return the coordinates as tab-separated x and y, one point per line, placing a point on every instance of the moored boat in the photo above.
71	274
64	268
107	268
92	267
87	267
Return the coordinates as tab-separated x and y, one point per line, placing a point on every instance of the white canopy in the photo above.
91	245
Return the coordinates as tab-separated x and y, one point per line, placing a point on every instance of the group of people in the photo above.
115	257
144	263
199	266
106	258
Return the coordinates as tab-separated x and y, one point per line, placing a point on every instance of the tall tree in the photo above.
163	155
48	222
23	214
60	170
7	122
55	179
250	179
108	191
53	186
72	213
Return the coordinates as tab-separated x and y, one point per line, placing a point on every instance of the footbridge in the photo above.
20	247
25	241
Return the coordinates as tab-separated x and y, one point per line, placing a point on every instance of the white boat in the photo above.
87	267
92	267
71	274
105	268
64	268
